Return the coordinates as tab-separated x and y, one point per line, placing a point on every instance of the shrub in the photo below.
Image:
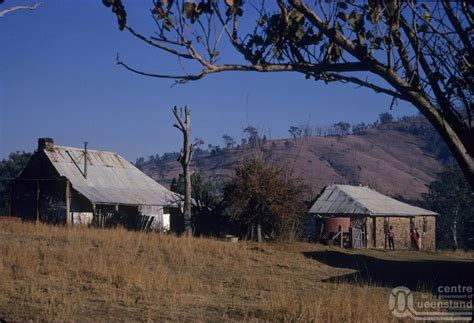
263	198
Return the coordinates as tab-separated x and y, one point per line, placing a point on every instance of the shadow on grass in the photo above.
416	275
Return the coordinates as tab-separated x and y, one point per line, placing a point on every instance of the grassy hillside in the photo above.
49	272
398	159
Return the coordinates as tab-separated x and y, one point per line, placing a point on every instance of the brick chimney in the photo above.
45	143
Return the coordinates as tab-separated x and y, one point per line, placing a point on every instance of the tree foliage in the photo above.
295	132
417	52
252	135
139	162
342	128
359	128
9	169
262	195
451	196
385	118
228	141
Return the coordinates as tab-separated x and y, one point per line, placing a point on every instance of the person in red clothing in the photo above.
418	239
391	238
414	239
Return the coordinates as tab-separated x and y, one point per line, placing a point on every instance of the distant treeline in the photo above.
415	125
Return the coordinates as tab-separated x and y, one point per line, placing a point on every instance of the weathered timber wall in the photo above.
23	201
44	200
81	209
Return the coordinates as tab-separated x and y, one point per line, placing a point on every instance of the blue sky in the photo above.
58	78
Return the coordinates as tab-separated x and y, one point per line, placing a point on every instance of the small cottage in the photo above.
78	186
365	216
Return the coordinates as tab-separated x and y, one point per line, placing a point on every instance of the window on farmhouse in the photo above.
412	223
385	225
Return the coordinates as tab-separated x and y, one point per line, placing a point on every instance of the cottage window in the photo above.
425	224
385	225
412	223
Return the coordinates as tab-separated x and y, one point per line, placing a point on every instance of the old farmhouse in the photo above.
80	186
365	216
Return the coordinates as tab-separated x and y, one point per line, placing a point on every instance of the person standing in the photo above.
391	238
413	239
418	239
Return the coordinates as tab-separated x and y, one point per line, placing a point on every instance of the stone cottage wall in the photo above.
401	226
428	237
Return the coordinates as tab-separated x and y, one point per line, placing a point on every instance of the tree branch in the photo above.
331	33
376	88
180	78
178	118
402	50
428	71
158	45
12	9
463	35
268	68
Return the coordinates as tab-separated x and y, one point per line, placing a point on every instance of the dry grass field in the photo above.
58	273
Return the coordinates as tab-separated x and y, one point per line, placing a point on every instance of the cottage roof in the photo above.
339	199
110	178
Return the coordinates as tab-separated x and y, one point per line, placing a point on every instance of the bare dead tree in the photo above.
454	227
184	125
3	12
419	52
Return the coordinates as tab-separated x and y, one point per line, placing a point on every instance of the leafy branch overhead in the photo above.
419	52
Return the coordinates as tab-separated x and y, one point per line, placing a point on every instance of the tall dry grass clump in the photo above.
59	273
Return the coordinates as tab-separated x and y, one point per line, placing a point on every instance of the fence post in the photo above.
351	238
341	233
38	202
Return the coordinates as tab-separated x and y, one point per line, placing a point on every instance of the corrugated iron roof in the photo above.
110	178
348	199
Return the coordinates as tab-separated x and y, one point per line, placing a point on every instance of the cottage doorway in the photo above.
357	238
357	232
